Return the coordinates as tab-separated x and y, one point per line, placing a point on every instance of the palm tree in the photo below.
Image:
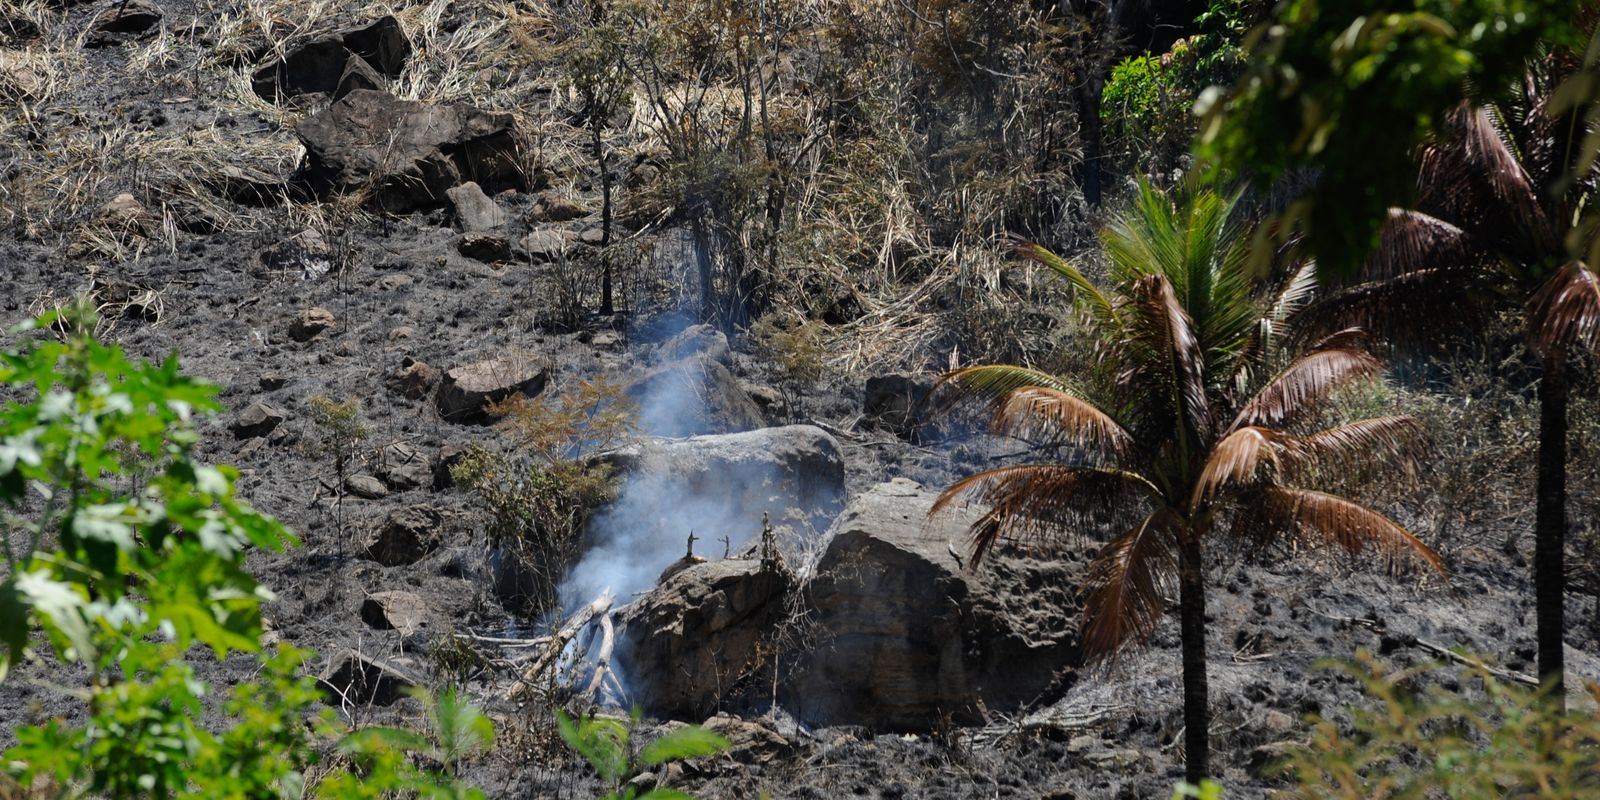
1496	228
1168	445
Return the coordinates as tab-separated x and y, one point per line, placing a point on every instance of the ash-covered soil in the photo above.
164	115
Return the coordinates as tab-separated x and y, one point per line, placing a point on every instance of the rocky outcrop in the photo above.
467	389
337	63
694	641
404	536
404	155
908	637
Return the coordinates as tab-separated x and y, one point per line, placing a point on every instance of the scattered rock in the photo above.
696	340
257	419
272	381
359	680
898	403
395	611
693	642
544	246
550	207
247	186
593	236
749	741
406	152
124	211
22	75
474	210
365	487
697	395
449	456
306	252
643	175
310	323
769	400
413	379
402	467
404	537
121	19
467	389
382	44
910	637
490	248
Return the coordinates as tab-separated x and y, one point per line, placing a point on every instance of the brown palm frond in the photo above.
1033	500
1404	311
1361	444
1326	519
1239	459
1473	151
1412	240
1124	591
1166	350
1304	384
1040	414
987	386
1294	296
1565	311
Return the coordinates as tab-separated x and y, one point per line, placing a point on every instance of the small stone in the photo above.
549	207
1278	722
395	281
123	211
366	486
413	379
544	246
345	349
402	466
257	419
310	323
404	537
592	236
272	381
401	333
306	252
489	248
395	611
474	210
1078	745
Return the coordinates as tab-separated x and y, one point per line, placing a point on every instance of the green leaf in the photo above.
666	794
60	605
376	738
683	743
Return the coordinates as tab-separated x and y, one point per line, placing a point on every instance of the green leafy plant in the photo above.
388	756
1482	738
1207	790
607	744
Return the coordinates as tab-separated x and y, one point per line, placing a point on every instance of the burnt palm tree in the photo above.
1497	228
1182	432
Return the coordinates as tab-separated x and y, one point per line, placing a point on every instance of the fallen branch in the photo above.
1433	648
557	644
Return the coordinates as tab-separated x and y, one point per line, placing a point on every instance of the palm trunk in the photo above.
1550	528
1192	619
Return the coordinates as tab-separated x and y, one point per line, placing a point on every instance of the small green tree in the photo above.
607	744
337	436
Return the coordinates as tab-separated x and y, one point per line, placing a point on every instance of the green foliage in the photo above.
98	453
796	349
388	757
1207	790
1438	742
608	747
1351	88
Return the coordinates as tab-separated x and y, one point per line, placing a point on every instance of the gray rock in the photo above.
696	340
909	636
365	487
404	537
407	153
592	236
382	44
467	389
359	680
546	245
257	419
697	395
694	642
306	253
121	18
474	210
395	611
402	467
310	323
550	207
358	74
413	379
490	248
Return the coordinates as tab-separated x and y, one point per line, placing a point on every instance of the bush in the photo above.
1485	739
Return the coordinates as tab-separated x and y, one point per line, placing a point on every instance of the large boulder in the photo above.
694	396
404	536
696	640
717	488
405	154
466	390
908	636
